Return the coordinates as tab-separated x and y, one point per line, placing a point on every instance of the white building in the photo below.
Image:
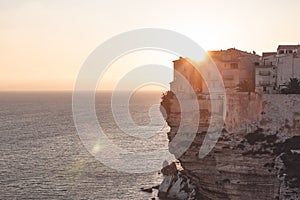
288	63
266	74
276	69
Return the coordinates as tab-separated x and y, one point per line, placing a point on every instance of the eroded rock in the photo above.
256	157
176	185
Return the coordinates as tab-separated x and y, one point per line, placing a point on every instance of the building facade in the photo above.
266	74
276	69
235	66
288	63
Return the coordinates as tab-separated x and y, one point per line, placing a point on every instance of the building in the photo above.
266	74
288	63
235	66
186	77
276	69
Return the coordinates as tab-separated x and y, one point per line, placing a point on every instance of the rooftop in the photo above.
266	54
288	46
230	54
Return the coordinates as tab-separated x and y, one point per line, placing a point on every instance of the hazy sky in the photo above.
44	42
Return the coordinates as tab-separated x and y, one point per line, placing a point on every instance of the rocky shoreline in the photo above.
176	185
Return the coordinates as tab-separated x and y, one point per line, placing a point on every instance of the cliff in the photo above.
257	155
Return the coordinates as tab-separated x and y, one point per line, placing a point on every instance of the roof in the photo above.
230	50
266	54
264	66
288	47
233	54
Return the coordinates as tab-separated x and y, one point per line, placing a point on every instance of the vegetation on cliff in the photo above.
292	86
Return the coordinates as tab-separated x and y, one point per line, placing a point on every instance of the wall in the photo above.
288	67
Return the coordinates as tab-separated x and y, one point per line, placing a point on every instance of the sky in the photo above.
43	43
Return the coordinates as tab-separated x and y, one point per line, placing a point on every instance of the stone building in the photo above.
234	66
186	77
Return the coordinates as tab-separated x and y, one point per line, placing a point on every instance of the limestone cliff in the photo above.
257	155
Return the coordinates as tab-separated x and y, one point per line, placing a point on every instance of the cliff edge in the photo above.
257	155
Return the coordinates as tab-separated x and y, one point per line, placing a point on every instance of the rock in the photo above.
165	185
256	157
156	187
177	186
169	169
149	190
287	166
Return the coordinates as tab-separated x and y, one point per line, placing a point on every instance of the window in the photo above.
290	51
264	73
264	83
281	52
233	66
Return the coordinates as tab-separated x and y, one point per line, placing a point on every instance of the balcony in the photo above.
264	73
264	83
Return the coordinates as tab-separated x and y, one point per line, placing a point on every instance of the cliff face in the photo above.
257	155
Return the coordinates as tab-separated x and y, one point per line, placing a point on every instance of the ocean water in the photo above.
42	156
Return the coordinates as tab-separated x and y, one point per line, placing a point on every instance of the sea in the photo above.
43	157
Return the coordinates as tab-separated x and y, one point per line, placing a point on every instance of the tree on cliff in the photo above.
245	86
292	86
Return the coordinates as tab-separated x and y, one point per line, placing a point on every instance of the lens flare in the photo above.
96	148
